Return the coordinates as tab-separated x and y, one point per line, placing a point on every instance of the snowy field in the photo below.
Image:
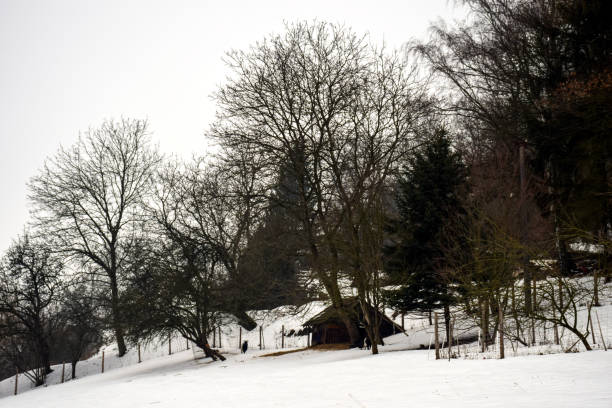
348	378
540	376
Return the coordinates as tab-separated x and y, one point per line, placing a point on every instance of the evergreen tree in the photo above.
275	253
428	200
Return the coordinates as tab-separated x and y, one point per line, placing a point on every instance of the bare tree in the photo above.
529	73
174	285
30	286
484	257
338	113
224	203
190	274
89	197
366	259
561	300
81	325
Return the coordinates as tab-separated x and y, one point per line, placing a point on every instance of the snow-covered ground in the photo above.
271	322
347	378
399	376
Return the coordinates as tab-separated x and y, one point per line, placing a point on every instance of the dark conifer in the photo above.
428	200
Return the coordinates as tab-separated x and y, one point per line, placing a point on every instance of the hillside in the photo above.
348	378
532	376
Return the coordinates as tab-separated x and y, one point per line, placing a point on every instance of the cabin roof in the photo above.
329	314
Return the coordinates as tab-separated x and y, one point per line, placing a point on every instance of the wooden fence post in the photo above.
501	331
600	332
187	343
169	345
283	337
403	315
220	337
260	337
139	359
102	361
214	338
240	338
63	369
16	379
436	339
308	339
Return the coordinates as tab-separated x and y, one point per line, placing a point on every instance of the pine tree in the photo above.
428	200
275	252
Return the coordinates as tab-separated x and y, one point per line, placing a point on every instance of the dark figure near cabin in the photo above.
368	343
245	346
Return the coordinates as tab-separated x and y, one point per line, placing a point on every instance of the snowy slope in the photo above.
325	378
271	321
349	378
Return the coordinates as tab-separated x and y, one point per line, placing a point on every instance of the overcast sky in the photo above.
66	66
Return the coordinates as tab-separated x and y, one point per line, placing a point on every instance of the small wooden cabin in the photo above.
327	327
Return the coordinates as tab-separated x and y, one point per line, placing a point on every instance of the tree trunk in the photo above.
561	306
371	326
484	323
527	278
351	327
515	312
209	352
605	272
501	330
534	306
555	327
42	348
374	347
534	293
583	339
595	288
447	324
74	364
117	326
494	311
436	337
45	355
564	268
336	299
372	337
331	286
523	229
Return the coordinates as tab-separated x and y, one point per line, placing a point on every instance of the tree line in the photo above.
455	174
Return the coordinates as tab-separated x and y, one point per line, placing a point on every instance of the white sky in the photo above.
66	66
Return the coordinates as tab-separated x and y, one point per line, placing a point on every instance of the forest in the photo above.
470	172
